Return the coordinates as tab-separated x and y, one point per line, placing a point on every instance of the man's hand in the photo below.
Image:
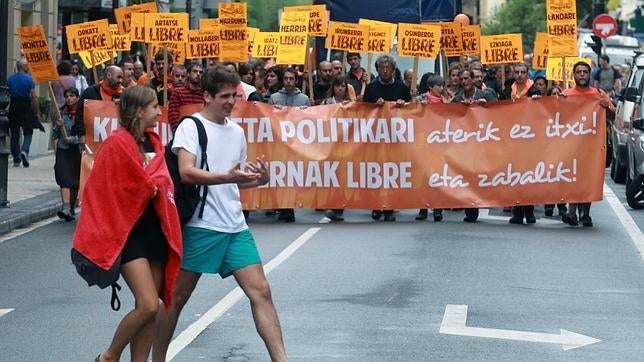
481	101
261	169
380	101
400	103
606	104
236	176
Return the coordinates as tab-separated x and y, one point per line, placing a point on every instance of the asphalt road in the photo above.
365	291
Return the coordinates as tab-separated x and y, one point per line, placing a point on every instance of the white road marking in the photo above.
626	219
190	333
455	318
5	311
18	232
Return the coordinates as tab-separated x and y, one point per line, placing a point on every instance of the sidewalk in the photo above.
32	193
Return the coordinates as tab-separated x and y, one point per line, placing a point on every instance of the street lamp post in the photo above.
4	102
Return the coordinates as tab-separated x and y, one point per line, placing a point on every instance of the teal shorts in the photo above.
212	252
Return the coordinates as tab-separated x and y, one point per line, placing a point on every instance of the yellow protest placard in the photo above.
250	37
419	40
293	37
119	42
232	32
318	18
266	45
98	57
451	38
137	27
499	49
124	15
203	44
556	68
234	15
561	23
91	35
540	53
176	51
209	24
471	39
347	36
380	36
166	27
33	43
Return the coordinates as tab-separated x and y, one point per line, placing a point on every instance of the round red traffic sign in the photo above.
604	26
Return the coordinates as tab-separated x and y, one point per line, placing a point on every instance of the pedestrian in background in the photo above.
24	112
79	78
128	210
68	155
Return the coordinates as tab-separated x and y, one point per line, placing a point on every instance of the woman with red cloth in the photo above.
129	210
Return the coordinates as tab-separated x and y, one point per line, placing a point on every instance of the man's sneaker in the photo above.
570	219
24	159
586	221
65	216
16	163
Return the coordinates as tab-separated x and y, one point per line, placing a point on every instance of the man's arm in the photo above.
193	175
34	103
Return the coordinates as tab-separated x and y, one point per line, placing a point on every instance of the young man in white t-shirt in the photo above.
220	242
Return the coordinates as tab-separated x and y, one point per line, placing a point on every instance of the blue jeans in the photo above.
15	141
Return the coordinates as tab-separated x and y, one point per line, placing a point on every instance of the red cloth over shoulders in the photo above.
115	196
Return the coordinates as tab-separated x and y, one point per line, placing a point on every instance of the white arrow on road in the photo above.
4	311
456	316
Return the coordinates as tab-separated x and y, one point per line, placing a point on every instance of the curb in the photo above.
26	212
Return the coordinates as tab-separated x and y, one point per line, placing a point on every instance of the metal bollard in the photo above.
5	97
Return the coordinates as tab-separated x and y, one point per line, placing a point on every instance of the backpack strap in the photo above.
203	143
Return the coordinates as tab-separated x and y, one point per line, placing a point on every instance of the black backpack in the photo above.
187	196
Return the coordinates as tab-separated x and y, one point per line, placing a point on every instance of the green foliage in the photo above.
613	5
527	17
262	14
44	104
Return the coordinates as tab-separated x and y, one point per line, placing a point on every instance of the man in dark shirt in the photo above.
357	76
321	87
386	88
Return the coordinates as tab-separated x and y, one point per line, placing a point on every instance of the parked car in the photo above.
620	127
635	175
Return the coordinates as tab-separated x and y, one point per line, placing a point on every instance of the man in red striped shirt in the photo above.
191	93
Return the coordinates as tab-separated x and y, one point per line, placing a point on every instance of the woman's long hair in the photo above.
337	80
133	99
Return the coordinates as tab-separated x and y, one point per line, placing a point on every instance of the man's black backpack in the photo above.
187	196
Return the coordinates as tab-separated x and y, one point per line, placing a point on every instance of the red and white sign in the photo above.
604	26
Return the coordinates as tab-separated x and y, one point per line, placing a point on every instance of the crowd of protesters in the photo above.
467	81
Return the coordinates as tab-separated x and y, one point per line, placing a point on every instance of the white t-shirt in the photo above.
226	147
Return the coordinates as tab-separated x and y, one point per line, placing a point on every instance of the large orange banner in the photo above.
447	155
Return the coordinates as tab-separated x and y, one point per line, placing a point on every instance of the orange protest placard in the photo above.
452	38
558	69
92	59
124	15
293	39
471	39
266	45
176	51
562	27
421	40
88	36
233	20
369	157
119	42
166	27
33	43
137	27
347	36
318	19
380	38
498	49
203	44
540	54
376	24
209	24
